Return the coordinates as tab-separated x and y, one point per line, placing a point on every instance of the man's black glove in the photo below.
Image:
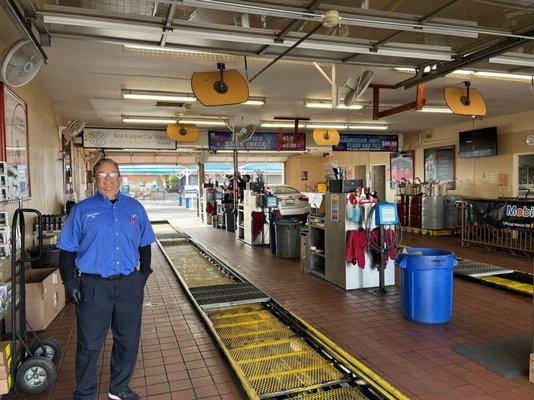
74	293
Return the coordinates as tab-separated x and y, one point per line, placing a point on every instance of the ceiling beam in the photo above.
388	38
292	26
353	18
23	26
168	24
240	35
465	61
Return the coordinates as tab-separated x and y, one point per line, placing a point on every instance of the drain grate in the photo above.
226	295
477	269
344	393
273	359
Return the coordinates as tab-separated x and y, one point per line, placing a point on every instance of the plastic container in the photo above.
287	238
426	282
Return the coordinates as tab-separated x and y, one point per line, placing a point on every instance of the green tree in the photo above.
173	181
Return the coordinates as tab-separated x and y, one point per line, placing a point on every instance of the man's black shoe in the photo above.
127	395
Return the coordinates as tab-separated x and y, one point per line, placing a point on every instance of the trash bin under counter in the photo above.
287	238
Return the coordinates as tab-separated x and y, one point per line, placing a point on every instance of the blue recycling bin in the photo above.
426	282
187	202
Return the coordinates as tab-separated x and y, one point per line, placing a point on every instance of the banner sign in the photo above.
503	214
358	142
127	139
260	141
190	191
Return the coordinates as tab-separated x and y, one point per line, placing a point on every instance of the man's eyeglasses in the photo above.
103	175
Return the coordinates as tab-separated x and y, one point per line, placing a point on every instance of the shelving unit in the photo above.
316	241
240	231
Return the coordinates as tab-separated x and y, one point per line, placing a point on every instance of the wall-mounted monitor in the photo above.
478	143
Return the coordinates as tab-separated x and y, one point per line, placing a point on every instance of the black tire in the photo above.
36	375
48	348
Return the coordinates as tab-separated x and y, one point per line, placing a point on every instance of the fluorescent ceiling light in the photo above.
327	104
127	119
461	72
369	127
168	49
202	121
255	101
504	76
276	124
520	59
158	96
355	106
325	125
436	109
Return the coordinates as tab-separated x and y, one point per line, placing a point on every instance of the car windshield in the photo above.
283	190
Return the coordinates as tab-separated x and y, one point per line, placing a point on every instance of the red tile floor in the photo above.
178	359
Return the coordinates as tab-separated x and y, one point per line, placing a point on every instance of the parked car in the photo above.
291	202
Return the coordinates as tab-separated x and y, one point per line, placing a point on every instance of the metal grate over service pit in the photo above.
476	269
227	295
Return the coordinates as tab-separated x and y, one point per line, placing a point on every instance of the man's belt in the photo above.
108	278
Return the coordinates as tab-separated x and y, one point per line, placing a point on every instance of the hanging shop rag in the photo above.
355	247
258	220
389	241
210	210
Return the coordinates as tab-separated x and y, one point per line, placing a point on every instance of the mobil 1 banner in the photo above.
503	214
519	215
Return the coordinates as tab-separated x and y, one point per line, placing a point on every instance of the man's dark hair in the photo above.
104	161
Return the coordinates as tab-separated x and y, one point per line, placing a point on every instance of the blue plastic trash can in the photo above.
426	281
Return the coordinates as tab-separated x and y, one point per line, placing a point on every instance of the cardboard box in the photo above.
5	268
531	374
5	380
45	298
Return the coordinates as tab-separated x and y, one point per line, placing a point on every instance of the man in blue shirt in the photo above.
104	239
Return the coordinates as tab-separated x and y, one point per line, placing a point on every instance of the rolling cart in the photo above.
32	367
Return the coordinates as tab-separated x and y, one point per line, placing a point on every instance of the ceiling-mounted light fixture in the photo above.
436	109
202	121
369	127
158	96
276	124
131	119
327	104
325	125
520	59
502	76
254	101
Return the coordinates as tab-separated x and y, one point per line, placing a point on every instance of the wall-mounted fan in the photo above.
74	128
242	135
356	87
20	63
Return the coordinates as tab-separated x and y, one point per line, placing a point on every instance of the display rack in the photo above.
336	225
240	231
316	246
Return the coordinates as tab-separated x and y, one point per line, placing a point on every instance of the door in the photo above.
379	181
360	171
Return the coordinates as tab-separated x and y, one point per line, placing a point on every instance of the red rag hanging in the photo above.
390	235
210	210
258	220
355	247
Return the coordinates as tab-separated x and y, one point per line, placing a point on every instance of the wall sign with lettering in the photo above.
359	142
107	138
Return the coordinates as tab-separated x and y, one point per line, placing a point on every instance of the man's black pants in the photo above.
108	302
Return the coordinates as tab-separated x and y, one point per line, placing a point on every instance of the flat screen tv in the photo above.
478	143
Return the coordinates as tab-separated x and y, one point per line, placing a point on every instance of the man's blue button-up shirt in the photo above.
106	236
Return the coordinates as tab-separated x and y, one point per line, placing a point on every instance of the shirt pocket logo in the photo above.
91	216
